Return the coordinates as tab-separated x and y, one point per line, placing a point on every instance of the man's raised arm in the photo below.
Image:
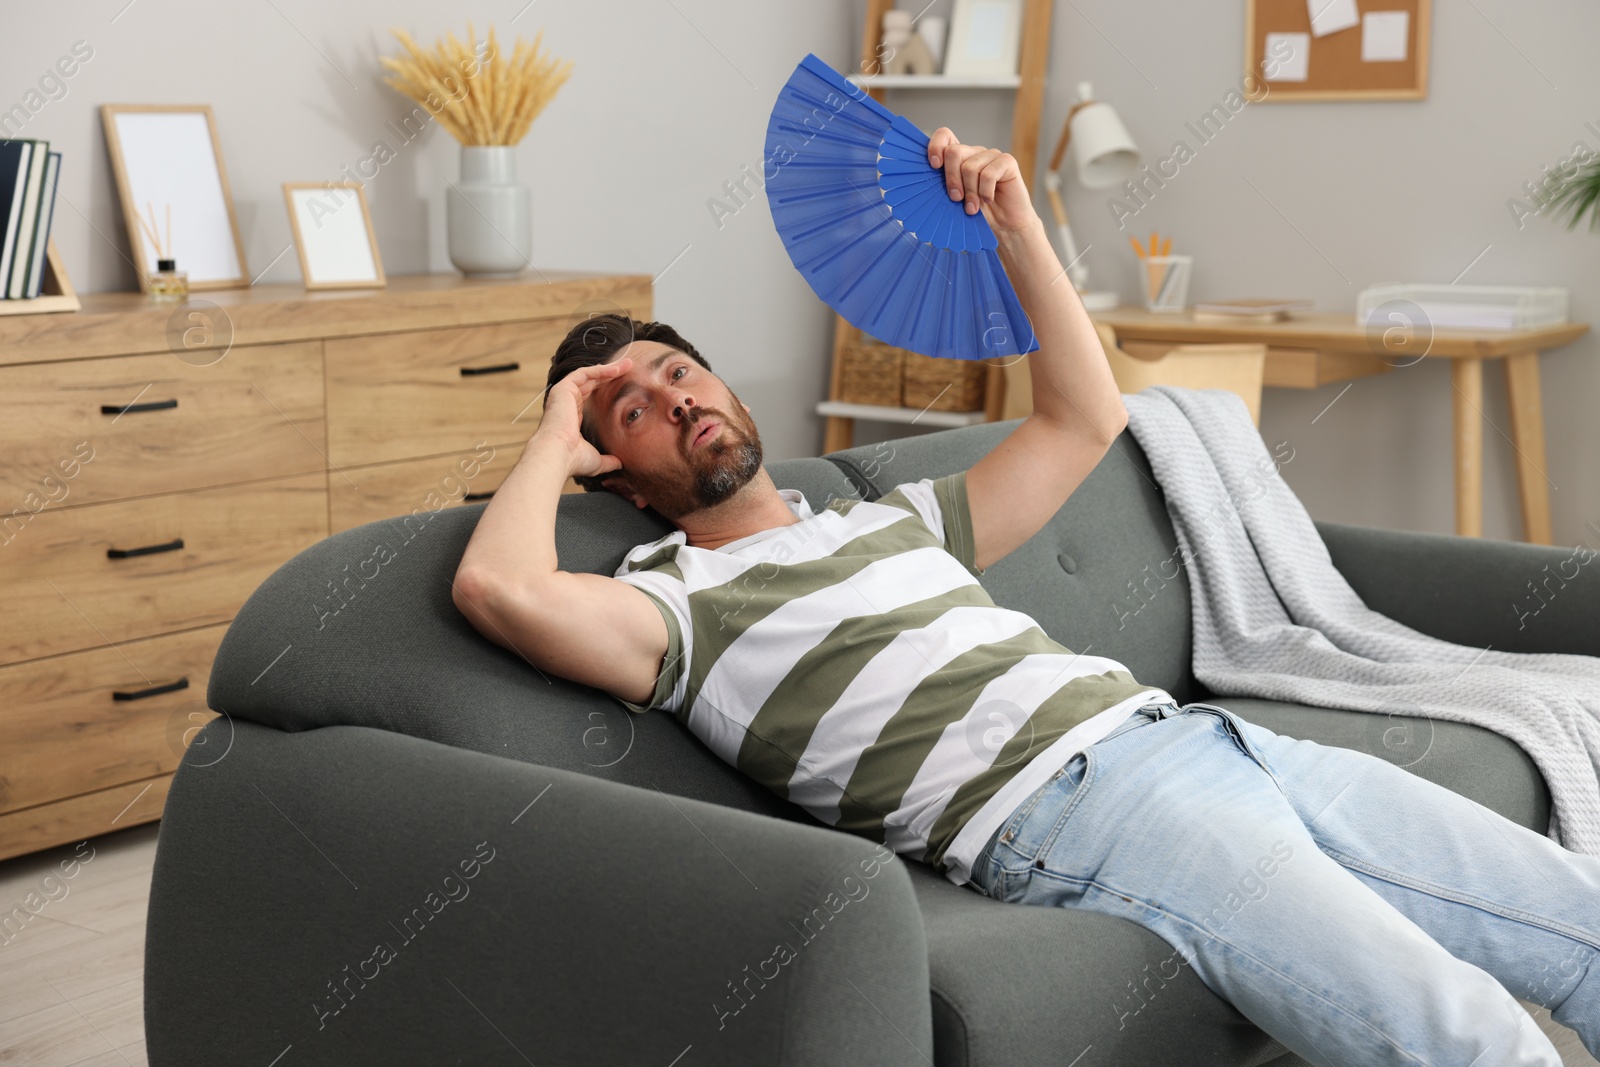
1077	407
587	627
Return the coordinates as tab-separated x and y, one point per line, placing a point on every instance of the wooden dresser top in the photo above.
123	323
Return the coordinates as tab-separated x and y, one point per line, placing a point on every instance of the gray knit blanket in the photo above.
1273	618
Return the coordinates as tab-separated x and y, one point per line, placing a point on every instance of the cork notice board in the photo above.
1334	67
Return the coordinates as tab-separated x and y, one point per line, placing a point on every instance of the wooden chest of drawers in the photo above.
157	462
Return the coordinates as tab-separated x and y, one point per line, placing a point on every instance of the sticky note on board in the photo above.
1330	16
1288	57
1384	36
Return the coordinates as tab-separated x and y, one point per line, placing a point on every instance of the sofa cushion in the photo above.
1019	984
1139	1003
1477	763
334	637
1104	576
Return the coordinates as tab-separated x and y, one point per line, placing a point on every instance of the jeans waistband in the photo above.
1164	709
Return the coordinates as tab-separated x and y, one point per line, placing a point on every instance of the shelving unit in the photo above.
843	410
1028	84
932	81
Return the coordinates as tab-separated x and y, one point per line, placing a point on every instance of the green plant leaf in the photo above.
1577	194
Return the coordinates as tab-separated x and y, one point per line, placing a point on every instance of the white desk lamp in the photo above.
1104	155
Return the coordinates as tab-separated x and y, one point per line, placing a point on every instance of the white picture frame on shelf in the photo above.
167	158
333	235
985	39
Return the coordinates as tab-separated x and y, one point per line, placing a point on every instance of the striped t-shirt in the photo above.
852	664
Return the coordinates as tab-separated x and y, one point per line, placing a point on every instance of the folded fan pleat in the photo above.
867	222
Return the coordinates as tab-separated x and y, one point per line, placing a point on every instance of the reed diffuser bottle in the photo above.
168	282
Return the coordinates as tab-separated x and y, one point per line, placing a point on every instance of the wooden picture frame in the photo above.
1336	69
169	154
985	39
337	247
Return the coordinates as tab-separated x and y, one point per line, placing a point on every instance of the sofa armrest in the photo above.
1510	595
368	897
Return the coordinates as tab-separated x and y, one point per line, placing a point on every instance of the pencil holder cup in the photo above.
1166	282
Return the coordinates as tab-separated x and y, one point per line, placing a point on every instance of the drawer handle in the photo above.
148	405
154	690
478	496
497	369
148	550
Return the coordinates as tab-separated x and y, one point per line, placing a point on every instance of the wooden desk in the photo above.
1309	350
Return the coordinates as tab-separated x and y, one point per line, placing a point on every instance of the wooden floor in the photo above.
72	978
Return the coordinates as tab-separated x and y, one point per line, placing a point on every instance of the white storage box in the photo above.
1464	307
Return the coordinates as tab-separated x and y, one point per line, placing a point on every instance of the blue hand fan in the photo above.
869	224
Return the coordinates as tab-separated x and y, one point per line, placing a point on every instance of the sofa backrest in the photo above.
1104	577
360	629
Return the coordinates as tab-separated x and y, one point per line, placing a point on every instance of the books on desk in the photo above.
28	175
1247	310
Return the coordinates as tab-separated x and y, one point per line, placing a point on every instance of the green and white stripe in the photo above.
853	664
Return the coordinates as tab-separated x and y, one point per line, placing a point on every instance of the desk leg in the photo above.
1527	433
1467	377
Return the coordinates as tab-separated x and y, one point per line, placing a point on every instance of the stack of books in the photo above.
28	174
1247	310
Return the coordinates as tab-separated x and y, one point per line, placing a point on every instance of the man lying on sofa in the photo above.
850	661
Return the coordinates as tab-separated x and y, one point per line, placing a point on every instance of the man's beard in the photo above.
717	470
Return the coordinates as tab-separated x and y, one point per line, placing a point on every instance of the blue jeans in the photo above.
1359	914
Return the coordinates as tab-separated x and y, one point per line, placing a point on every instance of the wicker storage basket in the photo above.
943	384
871	374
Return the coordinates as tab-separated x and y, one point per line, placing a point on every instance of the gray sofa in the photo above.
402	844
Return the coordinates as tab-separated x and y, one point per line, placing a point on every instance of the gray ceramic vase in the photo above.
489	214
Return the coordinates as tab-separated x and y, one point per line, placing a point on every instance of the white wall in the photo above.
669	100
1321	200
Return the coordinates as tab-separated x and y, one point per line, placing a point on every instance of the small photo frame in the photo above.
333	234
174	192
985	39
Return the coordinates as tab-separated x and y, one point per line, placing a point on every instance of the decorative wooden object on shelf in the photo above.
1029	101
55	291
149	487
872	373
942	384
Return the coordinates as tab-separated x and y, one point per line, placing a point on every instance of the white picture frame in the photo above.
333	235
167	158
985	39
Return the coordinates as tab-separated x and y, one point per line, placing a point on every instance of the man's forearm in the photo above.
515	540
1072	382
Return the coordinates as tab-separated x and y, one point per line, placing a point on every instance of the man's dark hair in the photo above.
596	340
